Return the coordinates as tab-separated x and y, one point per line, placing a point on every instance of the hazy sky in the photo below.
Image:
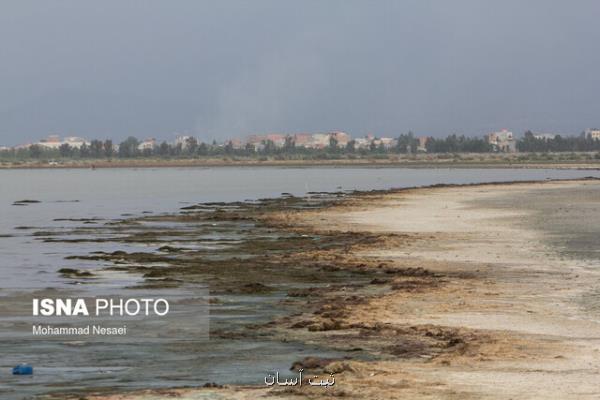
230	68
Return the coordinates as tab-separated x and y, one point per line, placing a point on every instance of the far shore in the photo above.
420	161
478	296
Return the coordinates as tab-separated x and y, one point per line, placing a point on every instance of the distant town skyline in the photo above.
318	139
218	70
322	143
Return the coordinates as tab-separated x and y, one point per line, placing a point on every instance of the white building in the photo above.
182	140
54	142
422	146
319	141
147	144
593	133
387	143
362	143
545	136
76	142
503	141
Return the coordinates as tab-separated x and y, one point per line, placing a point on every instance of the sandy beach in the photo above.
517	296
487	294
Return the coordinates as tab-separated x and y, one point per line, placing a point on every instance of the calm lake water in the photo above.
29	264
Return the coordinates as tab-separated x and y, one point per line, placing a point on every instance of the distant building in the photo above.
387	143
502	141
54	142
237	144
256	142
319	141
75	142
255	138
147	144
51	139
422	146
593	133
545	136
362	143
277	139
302	139
342	138
183	141
259	141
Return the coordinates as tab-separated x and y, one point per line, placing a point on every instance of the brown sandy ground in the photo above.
478	306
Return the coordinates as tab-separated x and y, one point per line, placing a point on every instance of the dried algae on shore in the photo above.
452	292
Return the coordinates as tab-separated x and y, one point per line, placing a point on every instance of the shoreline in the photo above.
434	162
497	296
454	309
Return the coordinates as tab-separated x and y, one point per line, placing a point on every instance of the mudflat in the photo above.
482	292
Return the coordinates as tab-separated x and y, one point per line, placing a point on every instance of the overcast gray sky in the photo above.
218	69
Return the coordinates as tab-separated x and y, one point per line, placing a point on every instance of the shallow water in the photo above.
29	264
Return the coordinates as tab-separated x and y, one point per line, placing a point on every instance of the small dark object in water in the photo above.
23	369
170	249
25	202
70	272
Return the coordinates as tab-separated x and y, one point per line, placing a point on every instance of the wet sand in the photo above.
476	296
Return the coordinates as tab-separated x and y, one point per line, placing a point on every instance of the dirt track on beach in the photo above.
481	300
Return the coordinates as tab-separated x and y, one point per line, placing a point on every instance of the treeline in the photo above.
458	144
96	149
405	144
529	143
